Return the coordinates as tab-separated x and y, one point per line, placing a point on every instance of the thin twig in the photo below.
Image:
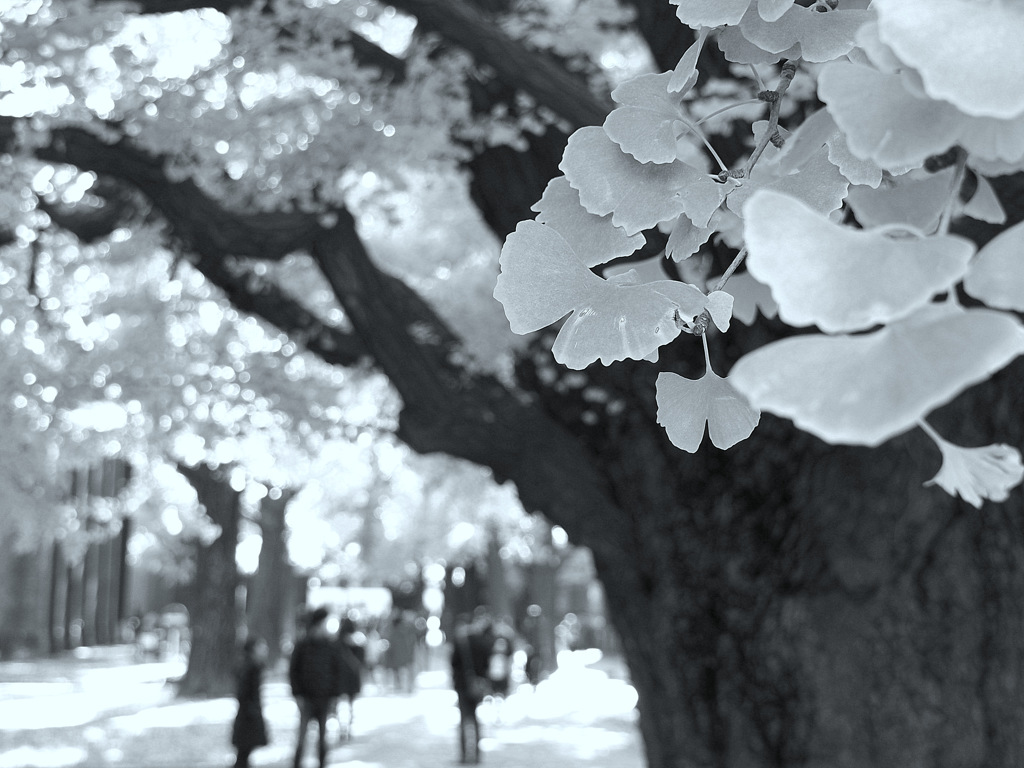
774	98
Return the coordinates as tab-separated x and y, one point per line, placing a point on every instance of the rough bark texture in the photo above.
214	623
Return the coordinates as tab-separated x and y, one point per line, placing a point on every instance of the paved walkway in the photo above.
100	713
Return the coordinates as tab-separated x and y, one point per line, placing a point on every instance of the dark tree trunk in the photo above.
269	597
212	611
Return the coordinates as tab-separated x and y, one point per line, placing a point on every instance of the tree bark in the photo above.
272	581
213	617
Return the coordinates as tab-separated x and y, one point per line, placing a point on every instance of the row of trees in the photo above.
786	603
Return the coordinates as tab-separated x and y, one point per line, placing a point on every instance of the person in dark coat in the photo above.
315	675
471	653
353	659
250	729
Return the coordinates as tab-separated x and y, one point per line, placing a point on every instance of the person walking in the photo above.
353	656
249	730
470	656
315	676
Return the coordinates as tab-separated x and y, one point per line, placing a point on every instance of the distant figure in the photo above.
353	659
315	675
400	657
471	654
249	730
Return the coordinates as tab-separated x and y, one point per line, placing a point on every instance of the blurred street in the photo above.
105	709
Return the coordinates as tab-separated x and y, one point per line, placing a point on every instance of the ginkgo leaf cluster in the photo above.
840	221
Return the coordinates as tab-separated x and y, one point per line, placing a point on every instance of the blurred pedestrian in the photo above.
400	657
315	675
471	653
353	659
250	729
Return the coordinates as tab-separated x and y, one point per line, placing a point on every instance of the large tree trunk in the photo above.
791	603
271	585
213	616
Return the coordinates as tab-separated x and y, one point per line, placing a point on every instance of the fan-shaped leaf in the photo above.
820	36
984	205
997	274
979	69
817	183
750	297
840	278
772	10
862	390
686	238
685	406
542	279
720	308
594	238
898	128
649	120
685	74
637	195
710	13
975	474
916	200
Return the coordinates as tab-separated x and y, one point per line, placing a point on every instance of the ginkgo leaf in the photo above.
686	238
976	474
649	121
820	129
984	205
710	13
647	271
720	308
685	406
996	275
840	278
684	76
898	128
616	319
637	195
864	389
773	10
750	297
820	36
817	183
979	69
594	238
542	280
739	50
892	128
916	200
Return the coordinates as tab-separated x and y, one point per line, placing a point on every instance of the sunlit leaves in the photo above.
542	280
684	76
840	278
637	195
685	406
885	121
915	200
997	274
864	389
797	33
649	120
594	238
710	13
976	474
979	69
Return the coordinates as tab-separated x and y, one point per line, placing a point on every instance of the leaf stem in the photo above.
757	77
774	98
737	260
707	354
700	134
726	108
930	431
954	193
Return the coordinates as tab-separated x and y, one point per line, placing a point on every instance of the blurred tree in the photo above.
788	603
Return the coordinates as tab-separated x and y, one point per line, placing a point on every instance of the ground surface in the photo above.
106	710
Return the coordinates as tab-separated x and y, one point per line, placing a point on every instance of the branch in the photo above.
447	408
